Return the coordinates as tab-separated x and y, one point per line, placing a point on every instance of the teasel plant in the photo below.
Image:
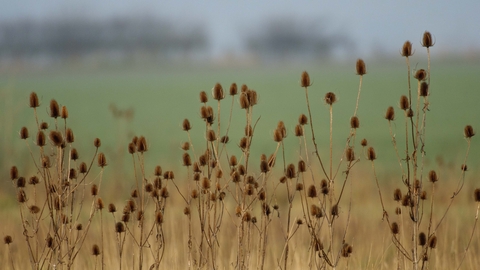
51	201
321	209
413	235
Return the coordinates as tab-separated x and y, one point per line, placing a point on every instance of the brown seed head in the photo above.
100	204
406	200
119	227
205	183
464	167
203	97
315	211
252	97
364	142
72	174
312	191
132	148
34	100
24	133
277	135
101	160
44	125
79	227
74	154
424	89
302	167
54	109
159	218
46	162
299	187
224	139
33	180
64	112
142	144
371	155
56	138
34	209
390	114
423	195
218	92
186	211
233	89
94	190
185	146
398	211
13	173
334	210
112	208
299	221
283	179
187	160
361	68
305	79
350	154
134	193
410	113
397	195
404	104
476	194
432	176
97	142
264	168
194	194
95	250
262	195
290	172
241	169
468	131
83	167
244	102
330	98
21	196
40	138
427	40
233	161
298	130
432	241
422	239
186	125
126	217
407	49
69	136
211	137
354	122
7	239
420	75
248	131
395	228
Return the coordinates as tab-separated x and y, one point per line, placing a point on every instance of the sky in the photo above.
373	25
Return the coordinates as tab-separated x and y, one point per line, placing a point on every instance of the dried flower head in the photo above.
21	182
360	67
217	92
390	114
24	133
40	138
97	142
233	89
94	190
305	79
468	131
420	75
69	138
95	250
312	191
302	119
371	155
56	138
64	112
397	195
299	187
427	40
350	154
407	49
422	239
33	180
290	172
364	142
101	160
7	239
432	241
334	210
330	98
224	139
142	145
44	125
404	103
203	97
424	89
476	194
186	125
432	176
395	228
83	167
34	100
354	122
13	173
54	109
119	227
112	208
302	167
21	196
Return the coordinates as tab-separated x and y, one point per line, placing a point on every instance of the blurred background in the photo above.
127	68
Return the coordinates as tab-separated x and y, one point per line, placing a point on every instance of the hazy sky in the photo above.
372	25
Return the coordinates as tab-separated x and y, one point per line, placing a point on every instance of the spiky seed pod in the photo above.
224	139
24	133
40	138
330	98
298	130
185	146
64	112
233	161
423	195
276	207
243	144
397	195
420	75
410	113
468	131
350	154
395	228
266	209
252	97
302	119
390	114
164	193
283	179
244	102
94	190
194	194
95	250
422	239
406	200
54	109
312	191
46	162
33	180
142	144
132	206
248	131
302	167
186	211
101	160
305	79
345	253
83	168
56	137
21	182
427	40
432	241
126	218
371	155
135	140
299	221
243	88
315	211
21	196
262	195
34	103
187	161
476	194
100	204
238	211
97	142
432	176
247	217
203	97
364	142
218	92
290	172
72	174
134	193
205	183
79	227
186	125
264	168
148	188
119	227
398	211
407	49
196	176
49	241
242	170
354	122
299	187
424	89
222	195
132	148
13	173
159	218
69	136
277	135
334	210
112	208
360	67
43	125
404	104
219	174
74	154
464	167
34	209
233	89
211	137
250	179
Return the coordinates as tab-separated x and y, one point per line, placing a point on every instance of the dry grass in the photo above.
313	209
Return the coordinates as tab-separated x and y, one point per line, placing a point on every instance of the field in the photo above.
162	97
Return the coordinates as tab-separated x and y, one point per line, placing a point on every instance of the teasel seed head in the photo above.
432	176
134	193
21	196
283	179
74	154
101	160
299	221
364	142
185	146
350	154
468	131
142	145
79	227
100	204
187	161
397	195
299	187
186	125
83	168
298	130
354	122
69	138
423	195
126	217
211	137
290	172
34	209
330	98
24	133
13	173
46	162
360	67
345	249
476	194
94	190
112	208
119	227
243	144
398	211
97	142
371	155
390	114
247	217
424	89
264	168
422	239
34	103
132	148
315	211
427	40
194	194
203	97
205	183
305	79
241	170
238	211
302	167
277	135
186	211
410	113
159	218
262	195
224	139
407	49
244	102
40	138
395	228
43	125
432	241
218	92
334	210
406	200
312	191
72	174
33	180
95	250
56	137
64	112
249	190
420	75
248	131
54	109
404	103
464	167
233	161
233	89
252	97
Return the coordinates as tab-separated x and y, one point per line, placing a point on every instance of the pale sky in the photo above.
371	24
